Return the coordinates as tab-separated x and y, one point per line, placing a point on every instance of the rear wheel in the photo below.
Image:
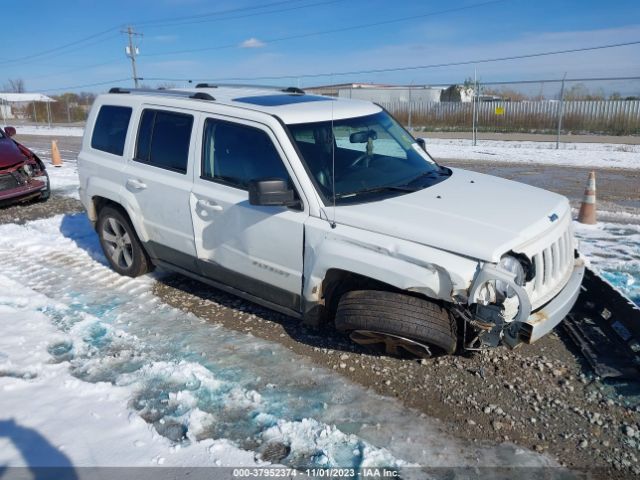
396	324
120	243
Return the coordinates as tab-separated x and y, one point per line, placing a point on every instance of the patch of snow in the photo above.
590	155
613	250
64	179
49	418
49	131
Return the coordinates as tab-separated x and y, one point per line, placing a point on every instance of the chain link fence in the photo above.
583	106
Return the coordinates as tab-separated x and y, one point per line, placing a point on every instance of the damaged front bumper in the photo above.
543	320
525	325
15	185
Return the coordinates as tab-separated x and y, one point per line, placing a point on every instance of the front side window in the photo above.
110	129
370	156
163	139
235	154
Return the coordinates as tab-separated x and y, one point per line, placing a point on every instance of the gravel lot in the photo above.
541	396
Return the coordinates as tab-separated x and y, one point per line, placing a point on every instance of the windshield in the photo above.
374	156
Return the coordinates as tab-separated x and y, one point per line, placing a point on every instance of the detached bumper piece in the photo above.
605	326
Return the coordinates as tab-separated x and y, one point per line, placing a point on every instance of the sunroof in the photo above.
278	100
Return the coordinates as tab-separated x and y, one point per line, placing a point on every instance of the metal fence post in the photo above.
560	111
475	108
410	108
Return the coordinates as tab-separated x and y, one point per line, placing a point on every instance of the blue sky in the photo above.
241	43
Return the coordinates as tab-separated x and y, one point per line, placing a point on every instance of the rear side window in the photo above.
234	154
163	139
110	129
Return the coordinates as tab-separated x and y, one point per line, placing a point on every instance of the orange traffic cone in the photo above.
588	207
56	160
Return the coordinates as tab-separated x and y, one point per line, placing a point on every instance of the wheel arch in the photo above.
98	202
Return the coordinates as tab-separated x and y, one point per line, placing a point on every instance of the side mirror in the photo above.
10	131
273	192
422	143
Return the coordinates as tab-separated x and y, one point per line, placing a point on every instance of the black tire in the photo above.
139	263
400	315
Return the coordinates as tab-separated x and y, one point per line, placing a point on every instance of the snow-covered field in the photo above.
96	370
49	131
589	155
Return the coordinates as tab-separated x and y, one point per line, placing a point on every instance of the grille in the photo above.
553	266
7	182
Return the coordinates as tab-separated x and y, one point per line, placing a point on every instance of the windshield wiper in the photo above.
384	188
434	173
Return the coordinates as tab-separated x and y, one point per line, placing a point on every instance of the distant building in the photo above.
381	93
333	90
457	93
20	101
5	111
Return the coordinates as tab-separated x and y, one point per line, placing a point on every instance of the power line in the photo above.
246	15
87	85
215	13
61	47
411	67
335	30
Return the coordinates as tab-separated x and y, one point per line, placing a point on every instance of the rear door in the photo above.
255	249
158	182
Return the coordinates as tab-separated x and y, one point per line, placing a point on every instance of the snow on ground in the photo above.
49	131
64	179
613	250
96	370
595	155
42	401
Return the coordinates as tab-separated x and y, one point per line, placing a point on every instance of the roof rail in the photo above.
295	90
169	93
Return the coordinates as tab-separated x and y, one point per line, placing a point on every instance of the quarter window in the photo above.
235	154
163	139
110	129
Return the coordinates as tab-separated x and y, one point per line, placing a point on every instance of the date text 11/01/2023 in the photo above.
345	473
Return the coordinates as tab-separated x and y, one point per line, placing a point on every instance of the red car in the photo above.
22	174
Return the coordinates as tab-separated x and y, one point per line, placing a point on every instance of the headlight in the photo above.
513	265
27	169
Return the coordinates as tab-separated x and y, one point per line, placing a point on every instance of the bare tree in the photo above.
15	85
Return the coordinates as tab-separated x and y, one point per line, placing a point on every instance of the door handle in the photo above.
207	205
135	184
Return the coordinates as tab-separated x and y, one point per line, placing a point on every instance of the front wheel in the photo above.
120	243
396	323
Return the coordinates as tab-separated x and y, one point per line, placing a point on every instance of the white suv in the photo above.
325	209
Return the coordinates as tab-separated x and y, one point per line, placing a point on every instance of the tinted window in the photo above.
236	154
110	130
163	139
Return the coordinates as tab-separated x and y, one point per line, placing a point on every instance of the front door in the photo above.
255	249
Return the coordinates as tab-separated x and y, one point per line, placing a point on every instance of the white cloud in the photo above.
252	43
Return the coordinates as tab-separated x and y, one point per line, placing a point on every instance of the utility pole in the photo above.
132	52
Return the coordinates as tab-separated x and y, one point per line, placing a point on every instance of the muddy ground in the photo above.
542	396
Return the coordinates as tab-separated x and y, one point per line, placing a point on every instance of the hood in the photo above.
470	214
10	154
